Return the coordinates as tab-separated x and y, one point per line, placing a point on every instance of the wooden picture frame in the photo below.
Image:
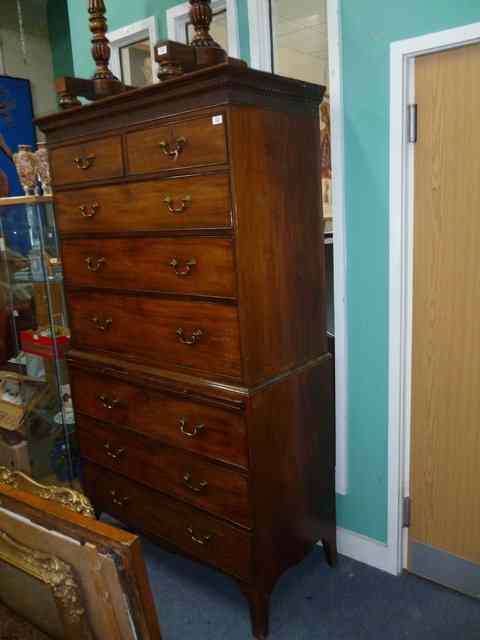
48	532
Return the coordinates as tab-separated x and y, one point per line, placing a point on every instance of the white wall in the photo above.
38	66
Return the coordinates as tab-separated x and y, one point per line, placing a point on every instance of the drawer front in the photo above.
93	160
193	143
154	205
194	335
195	533
182	475
184	265
195	427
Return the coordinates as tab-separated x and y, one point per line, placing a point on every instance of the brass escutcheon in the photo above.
84	162
173	154
196	335
95	264
186	271
102	324
184	202
86	213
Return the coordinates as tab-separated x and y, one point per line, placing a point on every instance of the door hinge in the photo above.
407	512
412	122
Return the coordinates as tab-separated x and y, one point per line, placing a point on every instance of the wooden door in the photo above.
444	539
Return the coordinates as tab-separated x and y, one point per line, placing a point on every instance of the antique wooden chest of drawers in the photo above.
191	223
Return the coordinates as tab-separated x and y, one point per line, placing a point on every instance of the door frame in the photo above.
402	93
261	58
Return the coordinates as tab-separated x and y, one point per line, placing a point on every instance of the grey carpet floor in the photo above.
311	602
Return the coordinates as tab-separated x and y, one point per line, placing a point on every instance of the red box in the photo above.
43	346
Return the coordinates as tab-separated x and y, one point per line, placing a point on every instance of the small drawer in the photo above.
199	428
86	161
192	143
202	266
182	475
154	205
195	533
199	336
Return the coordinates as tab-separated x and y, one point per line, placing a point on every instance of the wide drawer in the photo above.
196	427
182	475
183	265
191	143
153	205
85	161
195	533
200	336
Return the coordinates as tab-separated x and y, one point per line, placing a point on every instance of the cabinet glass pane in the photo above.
36	415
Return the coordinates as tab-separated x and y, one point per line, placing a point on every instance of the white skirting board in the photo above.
363	549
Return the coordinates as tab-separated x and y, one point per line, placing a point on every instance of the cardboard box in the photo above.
15	457
13	409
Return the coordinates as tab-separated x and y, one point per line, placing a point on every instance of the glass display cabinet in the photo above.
37	425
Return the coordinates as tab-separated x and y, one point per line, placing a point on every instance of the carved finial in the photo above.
201	17
100	45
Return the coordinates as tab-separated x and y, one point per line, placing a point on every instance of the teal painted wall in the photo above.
59	34
369	27
123	12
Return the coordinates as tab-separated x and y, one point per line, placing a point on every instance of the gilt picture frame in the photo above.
106	562
57	578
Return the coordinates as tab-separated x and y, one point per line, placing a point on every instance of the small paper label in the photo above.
53	260
15	313
2	244
217	120
161	51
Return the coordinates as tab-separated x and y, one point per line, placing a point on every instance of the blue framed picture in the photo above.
16	127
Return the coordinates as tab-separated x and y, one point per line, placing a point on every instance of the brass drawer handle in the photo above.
115	454
89	213
84	162
121	502
107	402
175	264
190	434
176	151
203	540
203	484
95	264
102	324
196	335
184	202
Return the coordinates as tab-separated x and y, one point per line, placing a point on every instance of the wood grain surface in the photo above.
445	471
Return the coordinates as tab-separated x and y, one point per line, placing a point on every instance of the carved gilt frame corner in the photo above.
58	576
70	499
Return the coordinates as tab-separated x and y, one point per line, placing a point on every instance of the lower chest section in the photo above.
174	467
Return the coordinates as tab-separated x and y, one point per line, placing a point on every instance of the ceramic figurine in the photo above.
25	163
43	168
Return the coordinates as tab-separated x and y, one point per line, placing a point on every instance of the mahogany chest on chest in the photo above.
192	236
